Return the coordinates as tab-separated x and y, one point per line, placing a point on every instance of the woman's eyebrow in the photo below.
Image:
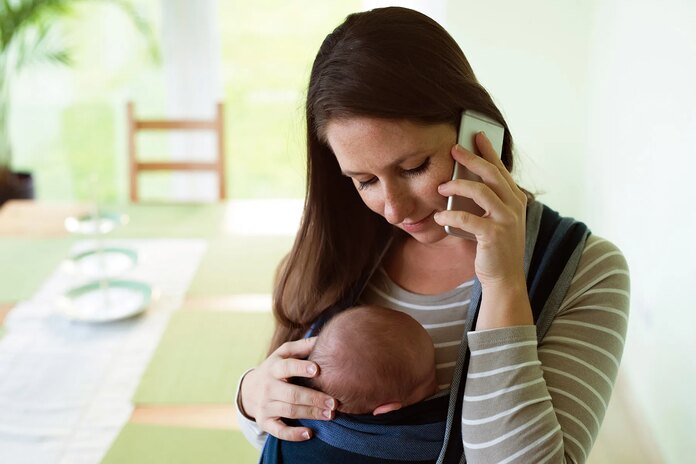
395	163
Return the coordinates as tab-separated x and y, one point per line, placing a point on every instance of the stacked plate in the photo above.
104	296
106	300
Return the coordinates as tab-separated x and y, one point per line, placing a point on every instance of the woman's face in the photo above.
396	166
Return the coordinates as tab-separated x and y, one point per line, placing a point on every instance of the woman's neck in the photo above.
430	268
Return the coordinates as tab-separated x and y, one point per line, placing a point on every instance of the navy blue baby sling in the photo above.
430	431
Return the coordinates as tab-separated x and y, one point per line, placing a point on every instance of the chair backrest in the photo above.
136	166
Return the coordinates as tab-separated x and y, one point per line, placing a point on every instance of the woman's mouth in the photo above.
416	226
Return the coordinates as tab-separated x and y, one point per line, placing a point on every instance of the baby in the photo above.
373	360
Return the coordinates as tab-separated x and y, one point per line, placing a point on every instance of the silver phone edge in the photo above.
457	232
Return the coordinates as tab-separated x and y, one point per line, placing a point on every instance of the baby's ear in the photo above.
389	407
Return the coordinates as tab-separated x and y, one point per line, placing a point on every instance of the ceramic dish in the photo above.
107	262
106	300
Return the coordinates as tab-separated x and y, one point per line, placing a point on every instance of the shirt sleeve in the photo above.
247	425
546	403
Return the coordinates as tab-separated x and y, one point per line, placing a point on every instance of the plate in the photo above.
102	223
107	262
106	300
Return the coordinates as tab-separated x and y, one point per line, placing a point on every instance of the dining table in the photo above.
158	385
155	386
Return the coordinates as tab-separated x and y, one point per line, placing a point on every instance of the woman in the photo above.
385	95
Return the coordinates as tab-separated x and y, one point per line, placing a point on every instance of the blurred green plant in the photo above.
28	36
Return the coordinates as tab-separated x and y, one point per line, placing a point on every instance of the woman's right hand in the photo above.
267	396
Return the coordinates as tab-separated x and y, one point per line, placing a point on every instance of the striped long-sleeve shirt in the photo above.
523	402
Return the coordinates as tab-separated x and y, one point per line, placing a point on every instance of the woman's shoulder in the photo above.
601	278
601	255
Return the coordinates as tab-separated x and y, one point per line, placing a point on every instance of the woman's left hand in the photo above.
500	232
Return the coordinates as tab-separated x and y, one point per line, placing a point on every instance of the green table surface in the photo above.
154	444
26	263
232	264
239	264
170	220
201	356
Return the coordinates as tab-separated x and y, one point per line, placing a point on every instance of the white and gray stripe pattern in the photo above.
523	402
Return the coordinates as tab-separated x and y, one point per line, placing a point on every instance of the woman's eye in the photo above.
418	170
363	185
406	172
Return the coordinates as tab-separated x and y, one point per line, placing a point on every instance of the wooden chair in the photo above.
135	125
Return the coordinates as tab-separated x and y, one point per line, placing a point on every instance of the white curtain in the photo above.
192	66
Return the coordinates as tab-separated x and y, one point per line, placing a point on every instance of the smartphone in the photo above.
472	123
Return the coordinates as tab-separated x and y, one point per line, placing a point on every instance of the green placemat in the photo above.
201	356
153	444
239	264
26	263
169	220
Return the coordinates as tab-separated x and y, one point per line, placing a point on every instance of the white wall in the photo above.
532	58
436	9
639	191
601	100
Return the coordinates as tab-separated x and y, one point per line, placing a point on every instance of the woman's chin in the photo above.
431	235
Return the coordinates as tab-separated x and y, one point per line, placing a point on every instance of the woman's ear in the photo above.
389	407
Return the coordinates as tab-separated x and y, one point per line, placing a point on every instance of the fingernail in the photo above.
484	134
312	369
327	413
440	187
459	148
330	403
462	150
305	435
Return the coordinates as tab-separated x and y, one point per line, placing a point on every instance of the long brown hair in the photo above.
392	63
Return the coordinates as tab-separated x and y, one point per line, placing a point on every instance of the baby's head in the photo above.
374	360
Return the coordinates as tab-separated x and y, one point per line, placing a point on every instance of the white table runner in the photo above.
65	386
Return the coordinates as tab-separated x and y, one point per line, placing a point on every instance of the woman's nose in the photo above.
397	204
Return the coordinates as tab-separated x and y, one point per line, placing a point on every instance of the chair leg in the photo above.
133	165
221	151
